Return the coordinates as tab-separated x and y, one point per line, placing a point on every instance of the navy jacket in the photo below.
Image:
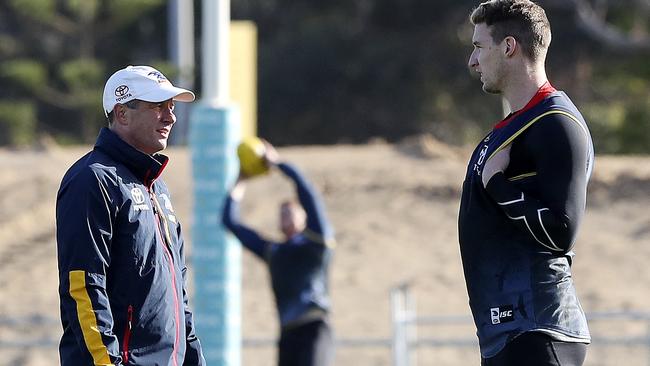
516	235
121	264
299	266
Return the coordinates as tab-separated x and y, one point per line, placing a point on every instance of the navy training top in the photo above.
517	234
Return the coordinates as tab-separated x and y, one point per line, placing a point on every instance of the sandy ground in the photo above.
394	208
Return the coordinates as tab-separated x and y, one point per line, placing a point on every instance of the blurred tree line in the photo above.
56	55
329	71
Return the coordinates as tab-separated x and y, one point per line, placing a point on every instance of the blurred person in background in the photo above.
120	250
298	267
523	198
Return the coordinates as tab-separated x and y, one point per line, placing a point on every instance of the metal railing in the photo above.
406	321
403	341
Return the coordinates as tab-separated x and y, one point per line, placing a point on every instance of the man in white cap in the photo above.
120	253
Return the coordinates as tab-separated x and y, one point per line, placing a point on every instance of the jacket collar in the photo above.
144	166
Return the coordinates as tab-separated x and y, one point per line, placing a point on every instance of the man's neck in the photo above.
523	87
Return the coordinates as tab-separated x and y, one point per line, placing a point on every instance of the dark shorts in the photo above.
538	349
310	344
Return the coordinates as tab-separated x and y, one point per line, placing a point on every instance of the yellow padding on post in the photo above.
87	319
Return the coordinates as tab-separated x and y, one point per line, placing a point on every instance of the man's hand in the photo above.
271	156
498	163
238	190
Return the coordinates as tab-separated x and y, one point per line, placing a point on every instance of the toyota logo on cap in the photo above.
121	90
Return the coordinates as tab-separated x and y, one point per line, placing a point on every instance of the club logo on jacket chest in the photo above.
168	206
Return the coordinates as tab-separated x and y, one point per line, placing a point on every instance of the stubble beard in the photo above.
162	145
491	89
498	79
494	86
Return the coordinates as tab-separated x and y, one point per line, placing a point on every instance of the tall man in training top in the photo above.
523	198
298	267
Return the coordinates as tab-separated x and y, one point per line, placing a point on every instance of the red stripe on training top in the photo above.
543	92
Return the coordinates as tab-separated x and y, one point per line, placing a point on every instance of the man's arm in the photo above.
559	149
231	220
84	218
193	352
312	203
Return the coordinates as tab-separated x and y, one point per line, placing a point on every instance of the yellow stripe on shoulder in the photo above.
530	123
87	320
522	176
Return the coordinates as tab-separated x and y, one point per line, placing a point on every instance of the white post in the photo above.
181	41
410	325
216	25
648	337
181	52
399	344
216	255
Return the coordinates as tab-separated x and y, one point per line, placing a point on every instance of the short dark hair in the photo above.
522	19
131	104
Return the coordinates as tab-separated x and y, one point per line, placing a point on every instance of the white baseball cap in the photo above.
143	83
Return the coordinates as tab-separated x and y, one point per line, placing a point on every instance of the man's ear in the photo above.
120	114
510	45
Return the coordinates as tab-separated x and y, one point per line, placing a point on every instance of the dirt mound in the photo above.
426	146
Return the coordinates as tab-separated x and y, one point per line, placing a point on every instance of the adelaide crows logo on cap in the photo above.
158	75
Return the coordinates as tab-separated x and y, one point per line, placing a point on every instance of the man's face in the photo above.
149	125
487	59
292	219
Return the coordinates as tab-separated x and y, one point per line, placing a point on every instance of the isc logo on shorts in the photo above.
502	314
